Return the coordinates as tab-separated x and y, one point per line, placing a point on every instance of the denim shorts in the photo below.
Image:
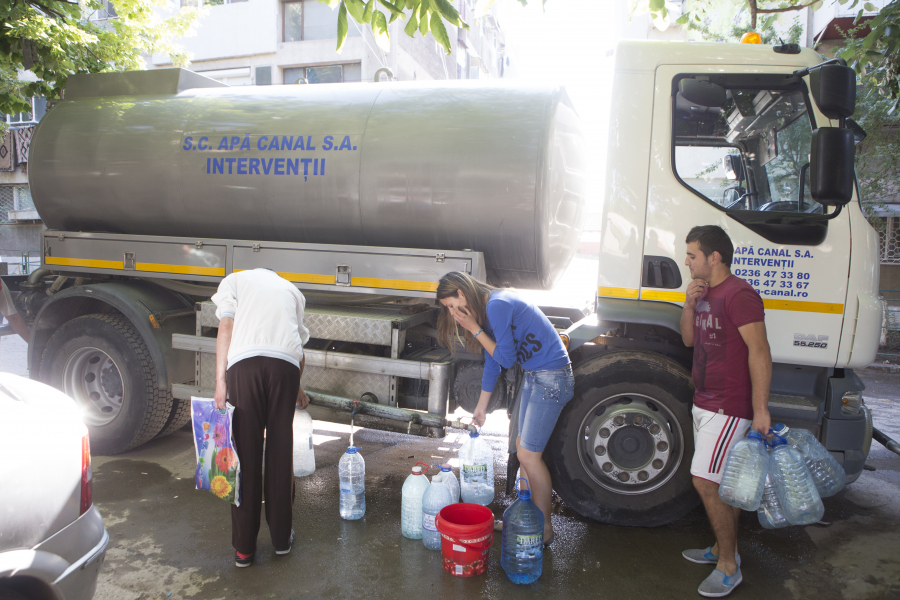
544	394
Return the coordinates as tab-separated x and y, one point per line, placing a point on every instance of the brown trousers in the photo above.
263	391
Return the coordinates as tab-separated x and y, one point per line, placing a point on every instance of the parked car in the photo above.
52	539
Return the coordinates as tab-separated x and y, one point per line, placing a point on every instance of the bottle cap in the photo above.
353	449
755	435
419	470
524	493
473	434
446	468
781	429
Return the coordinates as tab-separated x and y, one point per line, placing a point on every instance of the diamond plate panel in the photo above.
207	370
207	315
346	328
348	384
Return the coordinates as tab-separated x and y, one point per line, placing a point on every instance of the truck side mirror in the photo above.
831	171
702	92
834	89
734	168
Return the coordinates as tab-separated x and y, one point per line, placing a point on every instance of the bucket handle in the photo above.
426	465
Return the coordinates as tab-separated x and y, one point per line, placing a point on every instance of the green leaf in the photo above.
657	5
448	12
356	8
439	31
335	3
423	23
380	31
396	11
412	26
869	7
341	28
683	19
369	12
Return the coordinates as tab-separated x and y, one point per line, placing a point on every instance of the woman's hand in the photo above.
479	416
464	319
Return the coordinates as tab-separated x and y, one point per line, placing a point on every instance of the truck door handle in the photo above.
660	272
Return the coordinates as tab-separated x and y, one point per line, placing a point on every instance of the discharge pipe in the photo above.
885	441
384	411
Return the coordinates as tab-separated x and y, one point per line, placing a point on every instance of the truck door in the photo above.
740	160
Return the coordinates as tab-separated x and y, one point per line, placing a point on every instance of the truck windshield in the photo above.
752	153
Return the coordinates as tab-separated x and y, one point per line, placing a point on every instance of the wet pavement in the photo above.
168	540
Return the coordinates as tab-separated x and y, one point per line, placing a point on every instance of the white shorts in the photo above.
714	435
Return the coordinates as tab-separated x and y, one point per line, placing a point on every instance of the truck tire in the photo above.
102	363
621	451
181	416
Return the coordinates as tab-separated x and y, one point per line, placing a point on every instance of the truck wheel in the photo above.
622	447
102	363
181	415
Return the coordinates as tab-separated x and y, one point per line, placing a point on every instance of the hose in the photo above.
885	441
58	283
37	275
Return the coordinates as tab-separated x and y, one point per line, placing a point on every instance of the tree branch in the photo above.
781	10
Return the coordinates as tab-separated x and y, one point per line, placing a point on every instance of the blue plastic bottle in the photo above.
352	473
522	550
794	486
744	475
436	496
827	473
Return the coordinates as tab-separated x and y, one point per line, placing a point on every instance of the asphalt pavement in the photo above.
170	541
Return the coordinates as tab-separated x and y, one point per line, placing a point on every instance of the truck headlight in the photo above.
850	403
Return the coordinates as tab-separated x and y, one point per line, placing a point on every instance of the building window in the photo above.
263	75
38	108
7	202
890	241
324	74
293	21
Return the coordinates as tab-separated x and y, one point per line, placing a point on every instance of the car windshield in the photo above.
750	154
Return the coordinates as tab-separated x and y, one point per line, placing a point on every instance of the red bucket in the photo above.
467	532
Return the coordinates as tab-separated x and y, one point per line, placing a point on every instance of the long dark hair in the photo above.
476	294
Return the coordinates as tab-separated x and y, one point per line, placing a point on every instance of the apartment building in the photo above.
284	42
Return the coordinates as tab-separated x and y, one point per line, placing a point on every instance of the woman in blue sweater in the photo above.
511	330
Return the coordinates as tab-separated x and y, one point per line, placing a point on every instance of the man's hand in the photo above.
762	422
302	399
695	289
221	393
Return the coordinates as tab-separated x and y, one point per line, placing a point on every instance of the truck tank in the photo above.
496	168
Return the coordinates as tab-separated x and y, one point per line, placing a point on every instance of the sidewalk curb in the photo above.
881	368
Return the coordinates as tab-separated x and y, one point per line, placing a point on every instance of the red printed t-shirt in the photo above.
721	372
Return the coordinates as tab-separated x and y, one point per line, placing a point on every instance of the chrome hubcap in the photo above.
93	380
631	444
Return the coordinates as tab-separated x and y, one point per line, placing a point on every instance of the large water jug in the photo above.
449	479
771	514
352	473
476	471
794	486
522	550
436	496
411	502
744	475
304	456
827	474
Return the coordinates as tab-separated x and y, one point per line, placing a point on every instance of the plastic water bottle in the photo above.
827	473
794	486
522	550
411	502
744	476
436	496
304	456
476	471
771	514
449	479
352	472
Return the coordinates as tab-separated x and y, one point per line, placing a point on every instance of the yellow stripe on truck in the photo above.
180	269
769	303
616	292
306	278
84	262
395	284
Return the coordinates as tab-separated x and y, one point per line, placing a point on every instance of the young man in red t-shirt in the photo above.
724	321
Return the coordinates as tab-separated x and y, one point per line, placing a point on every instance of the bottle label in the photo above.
474	473
428	522
529	546
346	490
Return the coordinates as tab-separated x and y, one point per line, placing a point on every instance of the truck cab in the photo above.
752	139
